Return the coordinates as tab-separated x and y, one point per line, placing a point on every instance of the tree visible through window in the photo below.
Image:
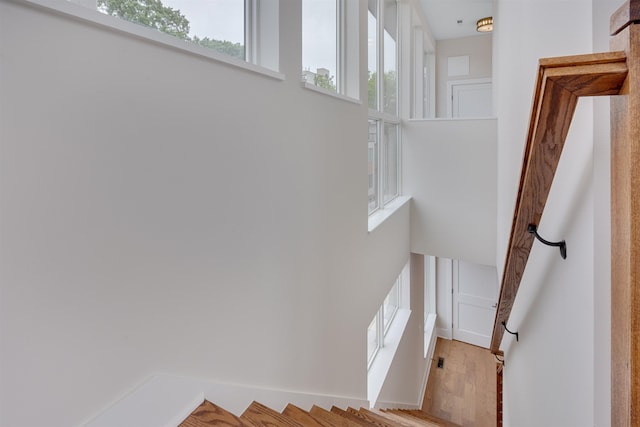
214	24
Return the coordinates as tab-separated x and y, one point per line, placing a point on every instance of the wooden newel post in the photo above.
625	223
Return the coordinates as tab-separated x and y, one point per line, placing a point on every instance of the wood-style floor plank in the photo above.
464	390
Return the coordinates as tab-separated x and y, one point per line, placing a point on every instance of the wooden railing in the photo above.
561	81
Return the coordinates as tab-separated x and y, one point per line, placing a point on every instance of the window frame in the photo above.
347	54
383	325
382	117
266	30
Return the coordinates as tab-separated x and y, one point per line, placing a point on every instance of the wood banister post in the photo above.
625	223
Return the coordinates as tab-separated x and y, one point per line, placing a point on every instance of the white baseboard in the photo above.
444	333
162	401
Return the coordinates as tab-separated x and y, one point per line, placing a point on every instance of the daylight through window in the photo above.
381	322
320	43
242	29
384	130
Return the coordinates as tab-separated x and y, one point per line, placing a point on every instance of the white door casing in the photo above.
470	98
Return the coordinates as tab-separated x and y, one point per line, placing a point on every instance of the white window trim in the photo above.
383	119
75	11
330	93
393	315
379	216
399	287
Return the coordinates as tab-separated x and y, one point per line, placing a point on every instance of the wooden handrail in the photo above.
559	84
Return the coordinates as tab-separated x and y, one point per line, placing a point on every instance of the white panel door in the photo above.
471	99
475	297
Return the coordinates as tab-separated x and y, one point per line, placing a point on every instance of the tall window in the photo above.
381	322
319	43
384	183
230	27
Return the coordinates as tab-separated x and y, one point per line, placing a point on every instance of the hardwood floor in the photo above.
463	391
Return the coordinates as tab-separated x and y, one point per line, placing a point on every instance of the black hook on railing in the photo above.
533	229
504	325
501	361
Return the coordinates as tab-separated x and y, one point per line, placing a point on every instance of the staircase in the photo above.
209	414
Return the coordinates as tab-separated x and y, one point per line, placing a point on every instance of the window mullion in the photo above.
380	327
380	56
380	163
383	162
380	100
250	31
341	46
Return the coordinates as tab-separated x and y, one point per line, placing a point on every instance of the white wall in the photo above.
450	171
165	213
553	375
477	48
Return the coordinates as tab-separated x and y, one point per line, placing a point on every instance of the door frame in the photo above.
455	309
452	83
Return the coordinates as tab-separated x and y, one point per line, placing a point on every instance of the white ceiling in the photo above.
442	16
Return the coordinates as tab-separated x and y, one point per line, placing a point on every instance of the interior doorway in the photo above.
475	298
470	98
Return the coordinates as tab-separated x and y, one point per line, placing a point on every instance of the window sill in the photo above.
67	8
327	92
382	362
381	215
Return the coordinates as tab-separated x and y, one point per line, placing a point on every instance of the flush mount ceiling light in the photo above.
485	25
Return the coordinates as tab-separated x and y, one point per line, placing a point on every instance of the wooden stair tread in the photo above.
335	419
373	418
404	420
425	416
304	417
209	414
261	415
258	415
351	417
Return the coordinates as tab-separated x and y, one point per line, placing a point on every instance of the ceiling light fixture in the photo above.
485	25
